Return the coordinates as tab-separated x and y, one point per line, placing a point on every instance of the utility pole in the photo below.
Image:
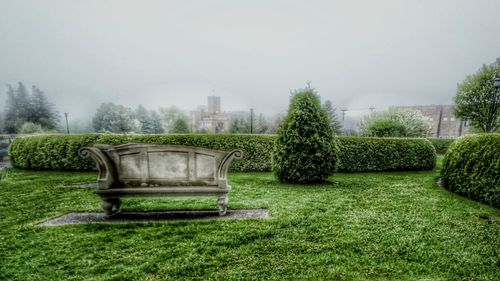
67	126
343	114
438	131
251	120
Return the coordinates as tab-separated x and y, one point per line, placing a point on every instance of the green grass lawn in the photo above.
367	226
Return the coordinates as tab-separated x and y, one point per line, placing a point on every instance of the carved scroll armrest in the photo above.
107	175
226	161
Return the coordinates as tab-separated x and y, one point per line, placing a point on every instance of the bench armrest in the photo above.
224	164
107	175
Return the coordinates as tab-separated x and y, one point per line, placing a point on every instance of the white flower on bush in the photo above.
415	124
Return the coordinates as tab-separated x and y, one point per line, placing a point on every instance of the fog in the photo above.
358	53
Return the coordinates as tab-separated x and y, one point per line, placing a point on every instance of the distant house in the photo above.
443	123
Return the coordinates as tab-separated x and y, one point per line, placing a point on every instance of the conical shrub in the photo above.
305	150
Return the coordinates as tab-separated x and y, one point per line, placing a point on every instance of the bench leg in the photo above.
111	205
222	201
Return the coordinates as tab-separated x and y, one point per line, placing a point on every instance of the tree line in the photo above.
29	111
26	110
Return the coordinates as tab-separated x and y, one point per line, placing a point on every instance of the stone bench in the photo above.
138	170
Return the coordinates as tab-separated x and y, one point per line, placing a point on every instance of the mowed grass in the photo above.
367	226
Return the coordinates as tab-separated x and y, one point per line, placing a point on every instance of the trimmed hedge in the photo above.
471	167
357	154
385	154
51	152
60	152
441	145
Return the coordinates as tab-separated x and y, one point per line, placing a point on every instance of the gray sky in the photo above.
356	53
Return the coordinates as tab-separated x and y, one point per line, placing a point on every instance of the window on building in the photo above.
445	119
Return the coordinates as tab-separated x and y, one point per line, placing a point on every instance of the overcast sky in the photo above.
252	53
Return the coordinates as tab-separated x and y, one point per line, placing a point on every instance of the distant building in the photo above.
211	119
443	123
213	104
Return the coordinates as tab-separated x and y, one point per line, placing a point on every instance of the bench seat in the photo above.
163	191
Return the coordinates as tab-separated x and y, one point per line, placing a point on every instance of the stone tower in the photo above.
213	104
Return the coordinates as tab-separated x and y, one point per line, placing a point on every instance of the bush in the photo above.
31	128
385	128
51	152
60	152
471	167
357	154
305	149
441	145
385	154
396	123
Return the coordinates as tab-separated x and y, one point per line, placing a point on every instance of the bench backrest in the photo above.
144	165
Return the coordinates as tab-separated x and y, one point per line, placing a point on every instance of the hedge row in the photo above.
357	154
60	152
385	154
441	145
471	167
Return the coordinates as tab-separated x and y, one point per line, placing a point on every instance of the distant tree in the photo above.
275	123
17	107
2	122
180	126
239	126
146	122
42	111
23	110
81	126
22	107
262	125
242	125
110	117
478	101
31	128
10	114
333	119
156	122
169	115
305	150
414	122
385	127
396	123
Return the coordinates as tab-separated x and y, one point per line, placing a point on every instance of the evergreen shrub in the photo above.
305	149
471	167
367	154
